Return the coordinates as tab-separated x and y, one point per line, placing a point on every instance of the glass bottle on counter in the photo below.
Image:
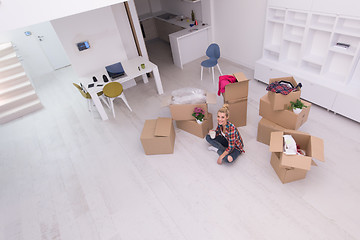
192	15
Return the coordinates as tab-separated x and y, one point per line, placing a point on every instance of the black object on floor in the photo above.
95	79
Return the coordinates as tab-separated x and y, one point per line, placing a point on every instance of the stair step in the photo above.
11	70
18	100
20	111
9	59
13	80
6	48
15	90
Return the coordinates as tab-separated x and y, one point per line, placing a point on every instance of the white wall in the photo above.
239	29
182	8
100	29
123	25
148	6
29	50
21	13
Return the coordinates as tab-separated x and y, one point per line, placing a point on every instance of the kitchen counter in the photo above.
177	21
188	44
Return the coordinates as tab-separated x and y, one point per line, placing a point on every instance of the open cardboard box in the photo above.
237	90
313	147
279	101
265	128
191	126
286	174
158	136
181	112
285	118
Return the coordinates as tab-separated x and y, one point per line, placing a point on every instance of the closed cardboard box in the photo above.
285	118
158	136
286	174
265	128
237	90
279	101
238	112
180	112
191	126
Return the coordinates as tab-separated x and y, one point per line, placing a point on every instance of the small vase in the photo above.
199	121
297	110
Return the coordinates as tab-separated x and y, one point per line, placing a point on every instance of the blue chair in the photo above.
213	52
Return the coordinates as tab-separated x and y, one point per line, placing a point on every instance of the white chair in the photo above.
113	90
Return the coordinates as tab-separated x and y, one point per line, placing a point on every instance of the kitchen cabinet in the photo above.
149	29
165	28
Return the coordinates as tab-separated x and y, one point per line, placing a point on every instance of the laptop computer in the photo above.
115	70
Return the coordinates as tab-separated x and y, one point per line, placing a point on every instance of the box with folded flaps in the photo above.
237	90
184	111
265	128
285	118
158	136
313	147
191	126
279	101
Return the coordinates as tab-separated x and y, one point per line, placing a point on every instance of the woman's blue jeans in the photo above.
221	144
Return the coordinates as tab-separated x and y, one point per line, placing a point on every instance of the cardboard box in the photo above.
285	118
279	101
313	147
238	112
286	174
237	90
191	126
180	112
265	128
158	136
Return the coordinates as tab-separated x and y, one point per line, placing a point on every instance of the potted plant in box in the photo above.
297	106
199	115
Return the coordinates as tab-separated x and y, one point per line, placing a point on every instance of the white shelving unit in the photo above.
321	50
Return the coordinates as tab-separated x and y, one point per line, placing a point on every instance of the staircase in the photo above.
17	95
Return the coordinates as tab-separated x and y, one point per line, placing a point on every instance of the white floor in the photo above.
65	174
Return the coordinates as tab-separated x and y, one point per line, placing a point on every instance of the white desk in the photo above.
131	68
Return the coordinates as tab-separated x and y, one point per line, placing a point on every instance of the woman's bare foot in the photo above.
219	161
230	159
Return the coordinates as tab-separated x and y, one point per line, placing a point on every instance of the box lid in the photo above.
276	142
317	148
163	127
211	98
240	77
288	79
148	130
165	100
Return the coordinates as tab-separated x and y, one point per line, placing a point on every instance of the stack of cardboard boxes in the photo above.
279	120
275	112
236	95
182	114
158	135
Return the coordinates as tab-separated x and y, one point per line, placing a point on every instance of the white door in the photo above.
51	45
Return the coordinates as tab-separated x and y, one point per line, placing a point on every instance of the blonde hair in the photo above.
225	109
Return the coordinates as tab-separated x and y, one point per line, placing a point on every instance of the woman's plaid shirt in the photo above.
233	137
